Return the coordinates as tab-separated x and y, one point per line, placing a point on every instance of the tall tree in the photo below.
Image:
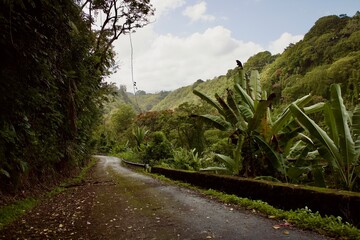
51	70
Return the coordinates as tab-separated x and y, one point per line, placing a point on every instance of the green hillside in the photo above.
142	102
146	101
185	94
329	53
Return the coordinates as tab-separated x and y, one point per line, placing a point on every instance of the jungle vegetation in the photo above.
53	62
291	117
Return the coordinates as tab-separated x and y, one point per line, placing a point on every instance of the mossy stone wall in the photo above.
281	195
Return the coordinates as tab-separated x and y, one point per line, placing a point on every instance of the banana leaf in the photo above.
241	115
305	139
232	103
255	85
259	114
356	128
216	121
346	144
208	100
325	144
286	116
245	97
331	124
287	139
246	112
230	163
274	157
314	108
240	78
229	115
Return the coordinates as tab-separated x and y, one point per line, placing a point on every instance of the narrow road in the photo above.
117	203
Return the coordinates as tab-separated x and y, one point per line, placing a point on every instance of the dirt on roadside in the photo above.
100	208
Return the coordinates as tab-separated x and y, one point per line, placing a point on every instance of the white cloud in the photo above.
197	12
279	45
167	62
163	7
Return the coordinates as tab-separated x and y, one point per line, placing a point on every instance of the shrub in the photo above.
158	148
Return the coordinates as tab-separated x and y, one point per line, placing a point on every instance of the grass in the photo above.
73	181
12	212
303	218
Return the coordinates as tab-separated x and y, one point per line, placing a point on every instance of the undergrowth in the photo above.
14	211
73	181
304	218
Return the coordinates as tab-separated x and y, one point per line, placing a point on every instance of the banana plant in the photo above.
139	134
229	120
341	146
246	116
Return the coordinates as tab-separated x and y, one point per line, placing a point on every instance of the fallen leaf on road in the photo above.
276	226
286	232
285	224
271	217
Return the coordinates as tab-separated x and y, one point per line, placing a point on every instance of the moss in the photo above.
281	195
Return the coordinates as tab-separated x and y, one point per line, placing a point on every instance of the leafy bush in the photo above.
158	148
187	160
218	141
131	156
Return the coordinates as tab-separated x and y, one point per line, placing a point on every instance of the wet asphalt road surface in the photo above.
170	212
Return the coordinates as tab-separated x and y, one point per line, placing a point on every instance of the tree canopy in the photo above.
51	70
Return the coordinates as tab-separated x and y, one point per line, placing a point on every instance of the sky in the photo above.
189	40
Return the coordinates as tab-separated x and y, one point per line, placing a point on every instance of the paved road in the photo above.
117	203
183	214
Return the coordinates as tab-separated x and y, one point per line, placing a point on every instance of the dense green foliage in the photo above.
341	148
257	133
246	116
329	53
51	70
